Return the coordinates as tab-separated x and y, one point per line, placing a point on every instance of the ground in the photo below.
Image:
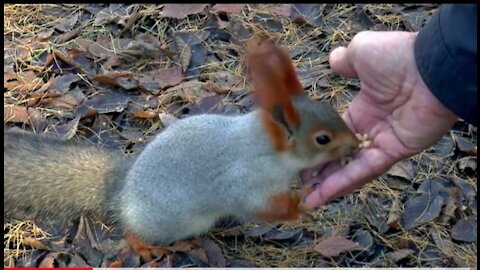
118	74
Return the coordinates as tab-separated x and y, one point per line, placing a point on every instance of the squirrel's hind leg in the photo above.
144	249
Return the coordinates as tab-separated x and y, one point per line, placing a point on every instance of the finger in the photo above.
340	62
368	165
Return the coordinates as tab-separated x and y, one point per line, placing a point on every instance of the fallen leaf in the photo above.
363	238
224	78
398	255
198	257
293	234
444	147
228	8
185	53
99	51
145	114
376	212
168	77
431	186
33	242
307	13
67	36
283	10
403	169
268	21
214	253
181	11
464	145
124	79
23	82
394	216
15	114
45	34
61	84
167	119
443	244
259	231
68	130
414	18
422	209
30	259
115	13
68	24
197	50
361	19
465	229
308	77
334	246
453	201
77	261
48	261
113	101
190	91
467	165
149	84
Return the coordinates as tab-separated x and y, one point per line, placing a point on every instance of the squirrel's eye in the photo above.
322	139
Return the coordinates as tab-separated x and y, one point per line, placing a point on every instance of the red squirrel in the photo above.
196	171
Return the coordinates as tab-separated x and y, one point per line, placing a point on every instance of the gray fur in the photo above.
193	173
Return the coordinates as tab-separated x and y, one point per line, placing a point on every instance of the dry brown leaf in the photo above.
181	11
185	53
35	243
333	246
214	253
168	77
404	170
68	130
149	84
198	256
167	119
398	255
48	261
61	84
15	114
228	8
422	209
68	36
181	246
23	82
190	91
99	51
445	245
68	24
145	114
45	34
283	10
465	229
307	13
219	89
395	216
124	79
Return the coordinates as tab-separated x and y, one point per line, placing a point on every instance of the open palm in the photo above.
394	107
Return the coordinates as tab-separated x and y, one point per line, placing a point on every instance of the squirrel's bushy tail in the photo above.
55	180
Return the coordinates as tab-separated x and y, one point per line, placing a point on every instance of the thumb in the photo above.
340	63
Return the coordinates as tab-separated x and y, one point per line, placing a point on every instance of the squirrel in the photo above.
196	171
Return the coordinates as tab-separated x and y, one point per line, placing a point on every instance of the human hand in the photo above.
394	107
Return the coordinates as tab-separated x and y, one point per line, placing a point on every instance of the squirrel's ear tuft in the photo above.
274	80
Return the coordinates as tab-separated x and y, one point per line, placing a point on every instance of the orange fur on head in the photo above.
274	79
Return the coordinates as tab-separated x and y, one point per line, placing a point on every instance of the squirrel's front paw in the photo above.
302	195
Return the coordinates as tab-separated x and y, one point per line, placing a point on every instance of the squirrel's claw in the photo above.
145	250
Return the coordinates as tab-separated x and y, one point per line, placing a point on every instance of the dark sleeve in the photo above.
446	56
